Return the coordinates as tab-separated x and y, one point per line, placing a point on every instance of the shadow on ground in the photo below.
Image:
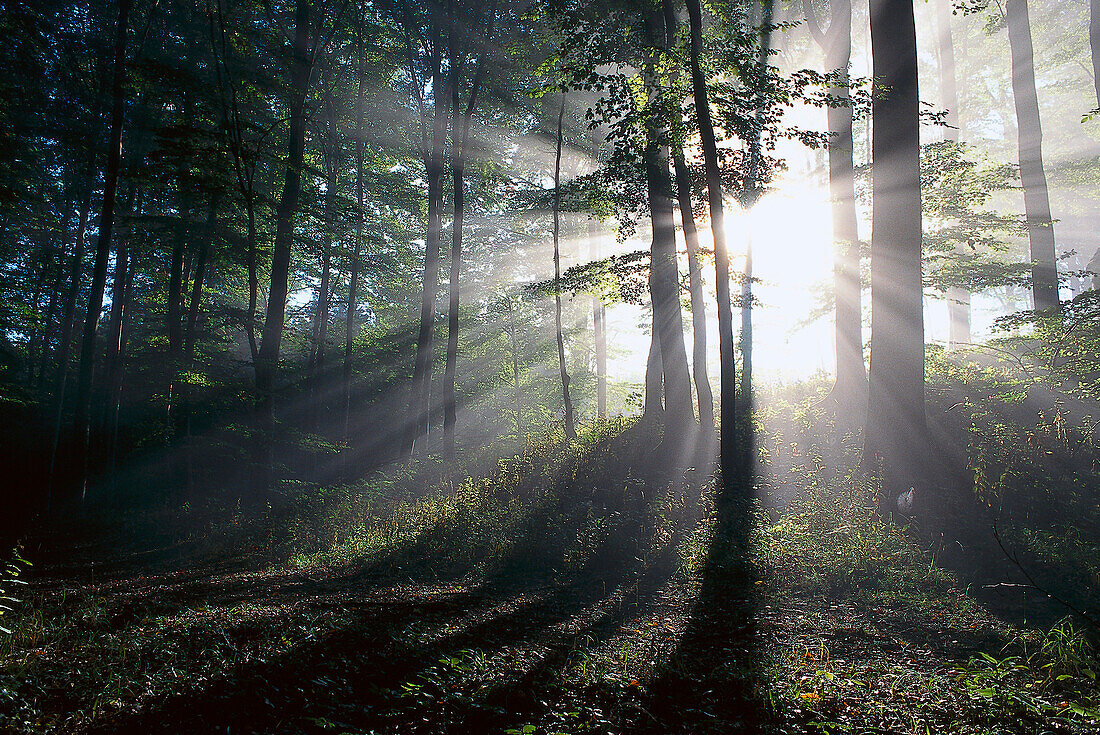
402	645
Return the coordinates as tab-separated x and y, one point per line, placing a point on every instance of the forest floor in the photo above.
845	628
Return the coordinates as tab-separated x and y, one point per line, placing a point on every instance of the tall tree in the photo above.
433	146
958	299
1094	44
1040	226
850	389
709	145
460	138
896	431
103	245
704	396
664	280
570	421
267	362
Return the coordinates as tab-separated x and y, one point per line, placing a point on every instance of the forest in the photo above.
541	367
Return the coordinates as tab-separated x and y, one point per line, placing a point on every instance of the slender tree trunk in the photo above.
1040	226
458	156
599	333
727	391
695	286
103	248
117	381
115	354
653	409
896	430
65	340
420	392
267	362
664	278
958	299
691	239
201	264
1094	44
353	279
570	425
752	194
850	390
47	335
515	367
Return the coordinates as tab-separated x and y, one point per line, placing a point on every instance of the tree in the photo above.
1040	226
570	421
850	389
664	283
896	432
958	299
727	392
267	361
81	425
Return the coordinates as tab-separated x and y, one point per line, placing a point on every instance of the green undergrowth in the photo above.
562	589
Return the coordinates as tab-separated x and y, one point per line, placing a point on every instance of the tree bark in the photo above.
353	279
1094	44
420	390
695	287
267	361
570	426
653	409
1040	226
599	333
103	249
727	391
850	389
958	299
460	134
896	431
119	295
664	279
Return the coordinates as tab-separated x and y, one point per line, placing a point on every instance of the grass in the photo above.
564	589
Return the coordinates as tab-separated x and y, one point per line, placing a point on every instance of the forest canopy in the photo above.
750	346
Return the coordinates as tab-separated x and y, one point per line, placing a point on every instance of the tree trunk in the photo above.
115	353
420	390
896	430
353	279
958	299
201	264
103	249
653	408
1040	226
267	362
1094	44
753	190
695	286
850	389
515	366
664	278
727	391
599	333
65	339
570	426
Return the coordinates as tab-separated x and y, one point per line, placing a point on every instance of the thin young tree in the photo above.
267	362
664	280
704	396
708	143
958	299
81	421
849	392
460	139
570	421
1040	226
